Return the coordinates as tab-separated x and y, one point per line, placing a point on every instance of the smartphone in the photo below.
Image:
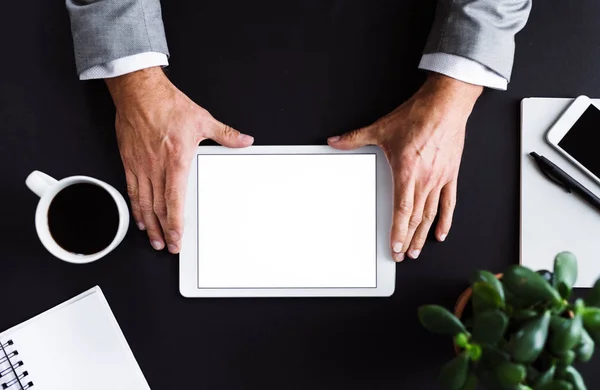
576	135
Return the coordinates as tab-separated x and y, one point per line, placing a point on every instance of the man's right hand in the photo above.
158	129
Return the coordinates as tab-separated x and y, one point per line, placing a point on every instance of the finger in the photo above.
404	193
353	139
447	205
175	189
147	209
228	136
159	205
134	198
415	220
429	213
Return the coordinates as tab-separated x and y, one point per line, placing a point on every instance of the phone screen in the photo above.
582	141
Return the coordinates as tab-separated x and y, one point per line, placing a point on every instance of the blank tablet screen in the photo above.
287	221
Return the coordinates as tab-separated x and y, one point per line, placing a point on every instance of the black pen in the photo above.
561	178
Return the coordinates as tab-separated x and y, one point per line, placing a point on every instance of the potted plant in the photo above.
519	330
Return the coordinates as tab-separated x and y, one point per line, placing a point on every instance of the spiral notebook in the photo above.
76	345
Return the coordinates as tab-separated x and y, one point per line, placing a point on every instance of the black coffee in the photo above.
83	218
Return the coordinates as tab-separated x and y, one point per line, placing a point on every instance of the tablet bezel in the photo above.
386	267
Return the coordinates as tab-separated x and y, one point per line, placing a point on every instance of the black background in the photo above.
291	72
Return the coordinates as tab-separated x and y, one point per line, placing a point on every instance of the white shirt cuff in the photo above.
463	69
125	65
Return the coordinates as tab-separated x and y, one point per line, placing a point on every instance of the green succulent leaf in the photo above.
510	374
454	374
565	273
485	297
556	385
526	284
591	317
585	349
475	352
574	377
566	333
439	320
528	342
591	321
491	279
561	372
515	302
471	383
545	378
489	326
579	306
492	356
461	340
593	297
524	314
566	359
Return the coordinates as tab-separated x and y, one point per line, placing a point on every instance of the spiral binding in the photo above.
8	357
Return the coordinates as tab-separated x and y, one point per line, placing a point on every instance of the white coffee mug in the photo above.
47	188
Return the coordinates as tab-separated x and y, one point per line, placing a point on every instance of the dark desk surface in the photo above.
287	73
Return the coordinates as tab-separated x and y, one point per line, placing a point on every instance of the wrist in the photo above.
448	93
137	87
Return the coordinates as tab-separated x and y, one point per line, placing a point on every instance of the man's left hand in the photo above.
423	140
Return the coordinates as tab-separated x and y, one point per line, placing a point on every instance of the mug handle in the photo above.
39	182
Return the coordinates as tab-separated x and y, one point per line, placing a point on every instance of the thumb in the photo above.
352	140
228	136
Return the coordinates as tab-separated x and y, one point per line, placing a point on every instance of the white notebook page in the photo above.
75	346
287	221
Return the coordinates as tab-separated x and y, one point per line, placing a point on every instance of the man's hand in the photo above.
158	130
423	140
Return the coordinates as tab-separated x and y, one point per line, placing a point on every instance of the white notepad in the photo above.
76	345
553	220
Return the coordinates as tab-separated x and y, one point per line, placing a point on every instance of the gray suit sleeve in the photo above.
480	30
106	30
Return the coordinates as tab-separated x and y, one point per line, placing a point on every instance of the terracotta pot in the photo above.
461	304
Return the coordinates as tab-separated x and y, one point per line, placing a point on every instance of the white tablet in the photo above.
287	221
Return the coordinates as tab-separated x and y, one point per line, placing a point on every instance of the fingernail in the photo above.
399	257
157	245
334	138
245	138
398	247
415	253
173	235
141	226
173	248
443	237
